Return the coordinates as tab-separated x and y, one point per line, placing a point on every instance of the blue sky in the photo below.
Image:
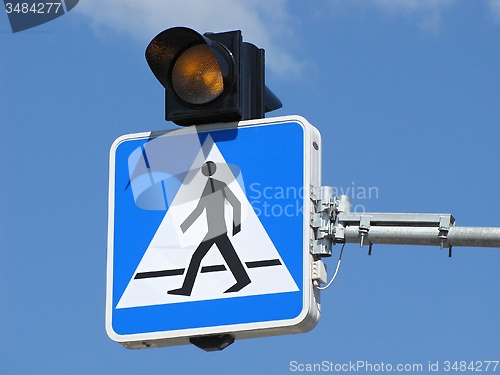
406	95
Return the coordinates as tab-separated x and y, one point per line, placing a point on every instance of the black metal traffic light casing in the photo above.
243	95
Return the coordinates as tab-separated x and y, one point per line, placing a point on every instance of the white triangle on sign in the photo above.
164	264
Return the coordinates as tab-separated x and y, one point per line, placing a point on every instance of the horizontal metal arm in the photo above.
333	222
395	219
404	235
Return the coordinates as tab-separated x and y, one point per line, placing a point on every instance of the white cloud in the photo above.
495	8
429	12
266	23
262	22
413	5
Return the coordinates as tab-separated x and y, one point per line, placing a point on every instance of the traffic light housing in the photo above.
215	77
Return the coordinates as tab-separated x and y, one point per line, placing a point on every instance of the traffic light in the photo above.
215	77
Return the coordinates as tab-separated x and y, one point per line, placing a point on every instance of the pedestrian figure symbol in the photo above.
212	202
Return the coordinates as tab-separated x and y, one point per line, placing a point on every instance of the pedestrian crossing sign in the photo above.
209	232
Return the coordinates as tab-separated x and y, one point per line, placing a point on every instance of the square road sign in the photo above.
209	232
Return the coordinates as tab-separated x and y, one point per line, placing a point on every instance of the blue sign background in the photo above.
271	159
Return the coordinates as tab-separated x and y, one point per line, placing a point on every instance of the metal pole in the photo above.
405	235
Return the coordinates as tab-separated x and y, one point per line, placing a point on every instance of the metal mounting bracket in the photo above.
321	220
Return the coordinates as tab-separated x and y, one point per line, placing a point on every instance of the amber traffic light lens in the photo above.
196	76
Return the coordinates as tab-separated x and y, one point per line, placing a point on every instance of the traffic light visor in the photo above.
193	68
